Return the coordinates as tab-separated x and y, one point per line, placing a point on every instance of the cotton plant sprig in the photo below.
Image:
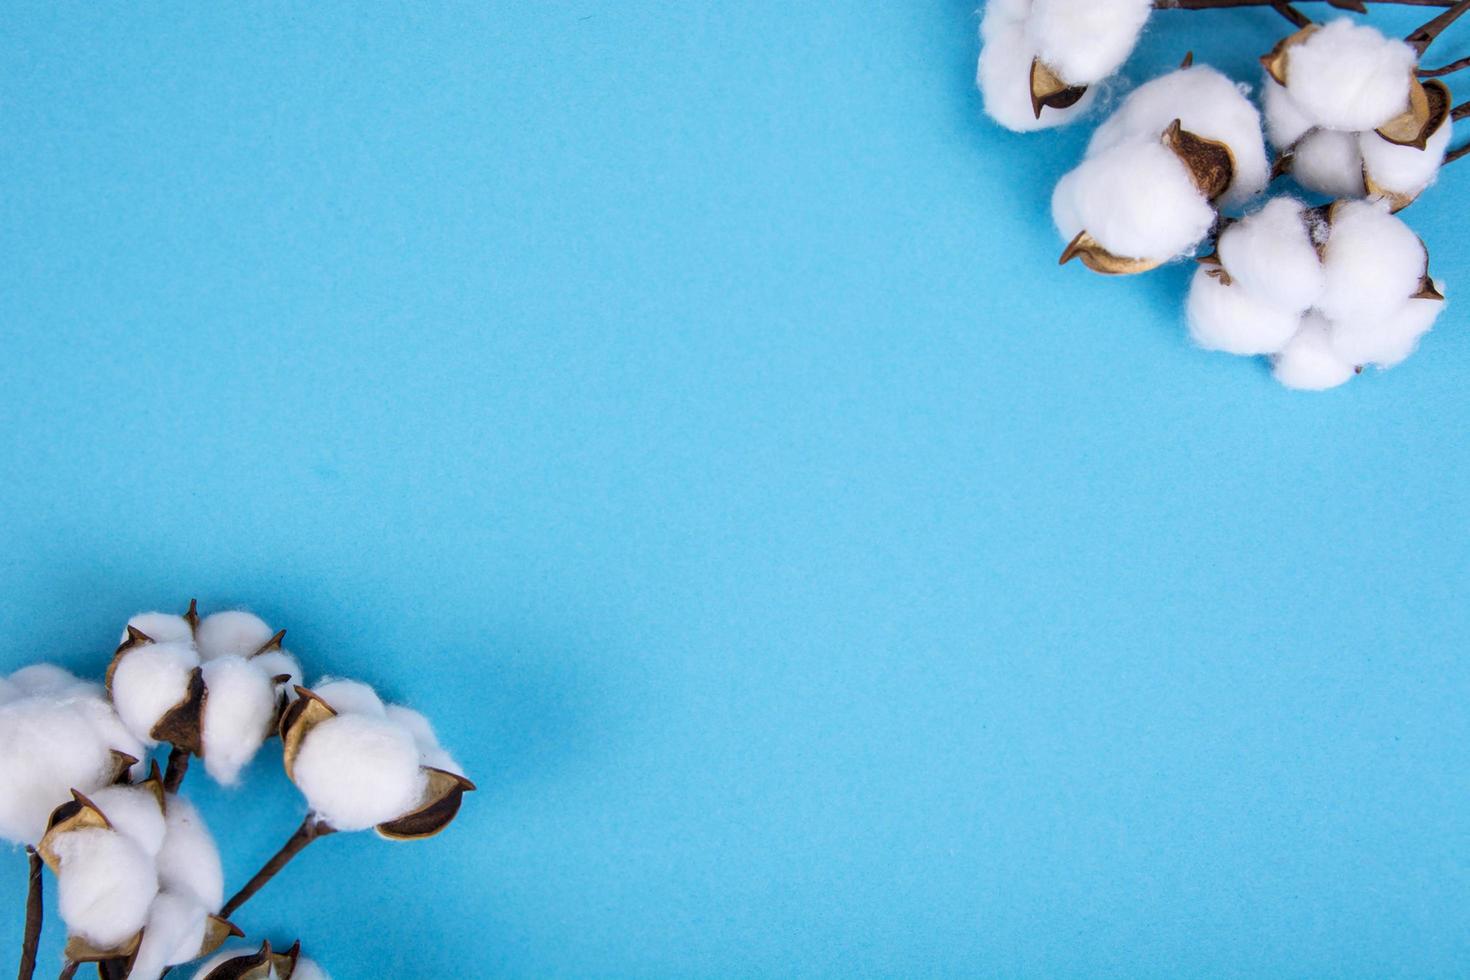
361	764
139	877
1182	161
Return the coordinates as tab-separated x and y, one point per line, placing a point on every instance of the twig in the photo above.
1448	69
1225	4
33	918
178	766
1297	18
1454	155
1422	38
68	970
310	830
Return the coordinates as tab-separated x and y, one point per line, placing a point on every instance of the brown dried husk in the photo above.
299	718
1428	106
442	797
1210	163
1275	60
1050	91
1099	259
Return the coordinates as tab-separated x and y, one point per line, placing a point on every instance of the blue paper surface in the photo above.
681	403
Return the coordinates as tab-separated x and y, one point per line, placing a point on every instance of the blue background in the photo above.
681	403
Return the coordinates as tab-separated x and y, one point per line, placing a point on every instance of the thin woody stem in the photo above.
1448	69
1226	4
178	767
1460	111
310	830
33	918
68	970
1420	39
1454	155
1297	18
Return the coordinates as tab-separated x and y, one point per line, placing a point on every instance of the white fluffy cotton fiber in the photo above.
232	633
173	934
1137	200
189	861
1329	162
1230	318
1308	362
238	711
1349	76
1270	255
1085	41
1207	104
105	885
359	770
431	753
1003	74
1373	263
1404	170
56	735
161	627
148	681
1386	340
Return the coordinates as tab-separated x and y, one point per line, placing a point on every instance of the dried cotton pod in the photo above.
362	764
57	734
1346	76
216	692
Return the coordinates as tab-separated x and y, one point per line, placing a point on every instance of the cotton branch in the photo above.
311	828
178	766
1421	39
33	918
1297	18
1448	69
1354	5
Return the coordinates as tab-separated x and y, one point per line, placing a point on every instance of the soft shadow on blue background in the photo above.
681	403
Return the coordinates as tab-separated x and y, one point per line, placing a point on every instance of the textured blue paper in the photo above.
681	403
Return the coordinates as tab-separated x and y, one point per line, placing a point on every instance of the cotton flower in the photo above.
213	686
1345	75
56	734
1206	104
1040	58
1352	120
362	764
137	875
261	964
1325	291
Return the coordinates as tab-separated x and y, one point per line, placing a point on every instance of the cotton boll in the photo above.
1004	77
1404	170
1229	318
1330	163
104	887
233	633
222	957
1386	340
238	711
1308	362
358	771
1085	41
189	861
1137	200
1285	121
133	811
1349	76
349	697
1270	254
1373	262
1208	105
431	753
161	627
47	748
148	681
173	934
